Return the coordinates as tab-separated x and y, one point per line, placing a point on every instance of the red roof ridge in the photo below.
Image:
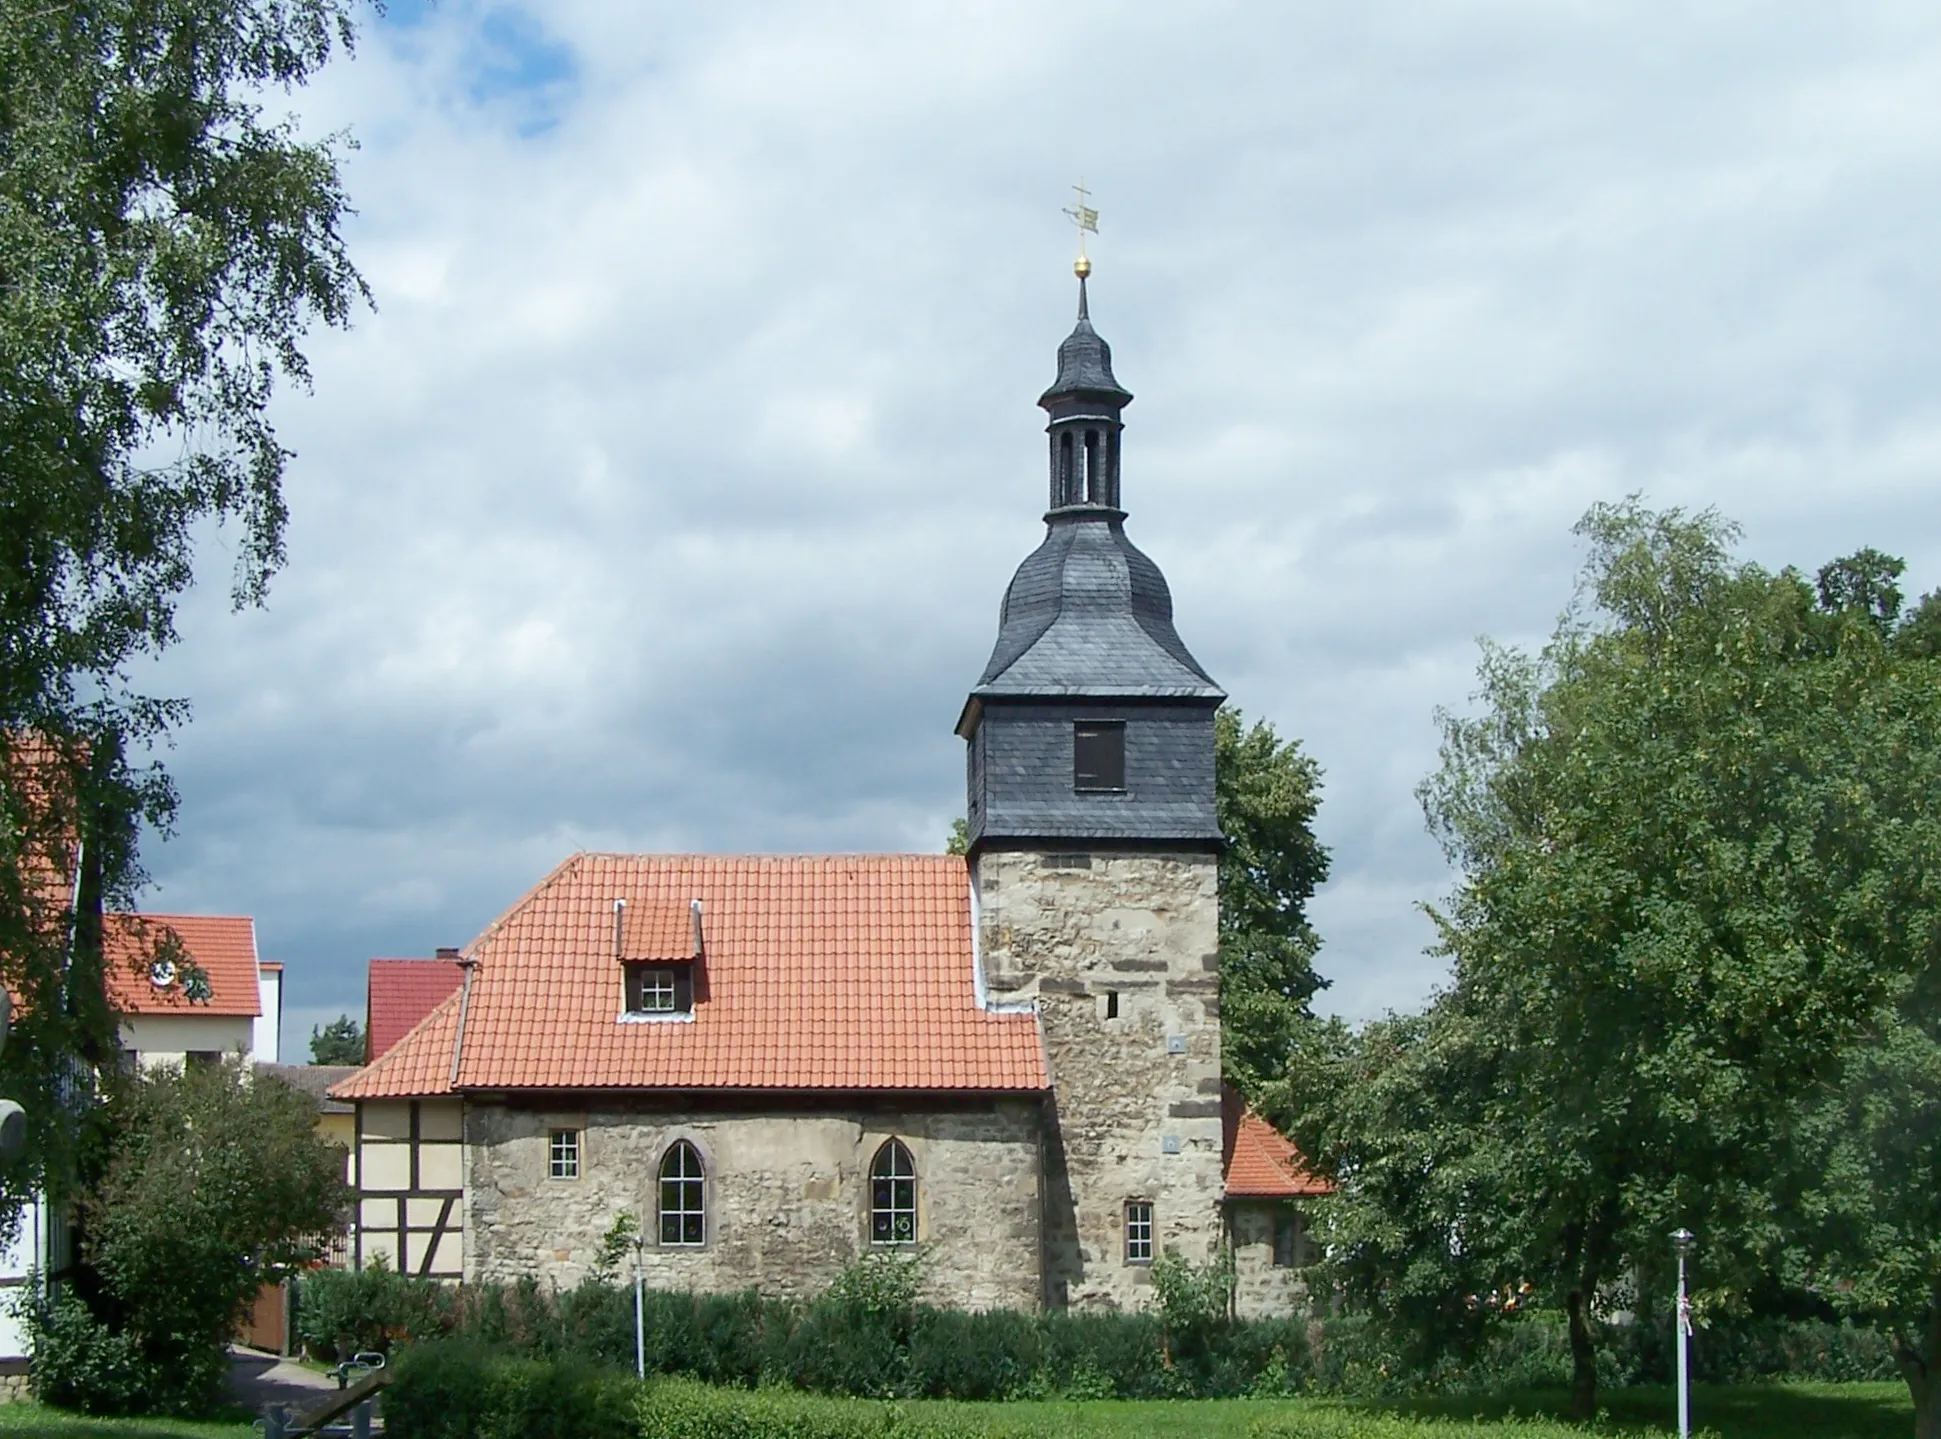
551	878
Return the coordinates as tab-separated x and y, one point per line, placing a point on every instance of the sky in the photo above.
665	498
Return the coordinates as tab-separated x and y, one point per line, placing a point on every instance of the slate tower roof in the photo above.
1087	624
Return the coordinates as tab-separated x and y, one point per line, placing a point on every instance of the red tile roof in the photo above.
223	945
819	972
399	993
1262	1163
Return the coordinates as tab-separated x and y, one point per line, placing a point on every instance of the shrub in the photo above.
210	1186
682	1409
79	1363
340	1312
467	1391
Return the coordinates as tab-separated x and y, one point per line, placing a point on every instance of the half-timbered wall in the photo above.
410	1175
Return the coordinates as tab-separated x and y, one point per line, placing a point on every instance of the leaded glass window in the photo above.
893	1196
683	1196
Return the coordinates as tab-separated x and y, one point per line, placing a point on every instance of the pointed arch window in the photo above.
893	1195
683	1196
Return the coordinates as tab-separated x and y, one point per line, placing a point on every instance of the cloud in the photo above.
667	497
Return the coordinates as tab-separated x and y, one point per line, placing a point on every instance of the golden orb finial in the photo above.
1083	218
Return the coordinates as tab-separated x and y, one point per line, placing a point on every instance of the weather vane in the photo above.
1084	217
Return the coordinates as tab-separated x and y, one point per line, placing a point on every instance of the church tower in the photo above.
1093	849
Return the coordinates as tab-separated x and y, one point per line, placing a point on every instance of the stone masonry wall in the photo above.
787	1194
1137	1107
1263	1289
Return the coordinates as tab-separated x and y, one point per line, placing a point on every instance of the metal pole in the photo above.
640	1322
1682	1241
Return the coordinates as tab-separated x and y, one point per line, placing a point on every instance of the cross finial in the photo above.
1083	218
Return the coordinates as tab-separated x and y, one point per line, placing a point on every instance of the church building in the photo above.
1008	1060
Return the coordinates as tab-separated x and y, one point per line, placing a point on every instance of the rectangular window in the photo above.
564	1148
1099	755
1290	1239
660	988
1138	1232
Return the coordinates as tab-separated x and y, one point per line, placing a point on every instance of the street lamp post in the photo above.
1682	1242
640	1315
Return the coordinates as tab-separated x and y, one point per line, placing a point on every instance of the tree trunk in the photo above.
1919	1356
1583	1356
1927	1410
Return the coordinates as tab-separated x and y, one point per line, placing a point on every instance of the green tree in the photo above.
210	1185
1267	791
339	1042
164	245
1696	836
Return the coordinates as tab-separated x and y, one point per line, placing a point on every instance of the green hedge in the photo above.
467	1391
846	1345
683	1409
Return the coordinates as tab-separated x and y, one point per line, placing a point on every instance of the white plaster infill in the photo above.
984	1000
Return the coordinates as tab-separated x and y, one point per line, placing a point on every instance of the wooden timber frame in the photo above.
409	1168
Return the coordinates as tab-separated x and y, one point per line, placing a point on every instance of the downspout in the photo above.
470	966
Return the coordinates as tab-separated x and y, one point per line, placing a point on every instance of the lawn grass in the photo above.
34	1421
1746	1411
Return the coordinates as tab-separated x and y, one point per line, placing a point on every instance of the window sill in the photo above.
674	1016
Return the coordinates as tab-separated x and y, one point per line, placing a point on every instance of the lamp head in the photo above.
1681	1240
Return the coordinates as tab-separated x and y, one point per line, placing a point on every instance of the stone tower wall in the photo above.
1136	1113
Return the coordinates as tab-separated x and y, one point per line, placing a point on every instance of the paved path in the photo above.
256	1380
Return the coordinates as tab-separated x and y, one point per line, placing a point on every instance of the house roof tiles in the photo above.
399	993
834	972
1262	1163
223	946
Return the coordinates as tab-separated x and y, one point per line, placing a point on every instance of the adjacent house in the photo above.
240	1017
162	1022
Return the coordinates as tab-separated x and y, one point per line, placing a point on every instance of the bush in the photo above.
683	1409
79	1363
209	1186
340	1312
467	1391
867	1338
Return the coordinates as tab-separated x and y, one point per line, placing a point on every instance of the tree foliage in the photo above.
208	1185
1267	791
339	1042
164	245
1699	838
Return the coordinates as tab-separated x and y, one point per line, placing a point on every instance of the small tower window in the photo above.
659	988
1138	1232
1066	489
1094	482
1099	755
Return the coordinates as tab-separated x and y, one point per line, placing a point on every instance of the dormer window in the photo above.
1099	755
655	988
